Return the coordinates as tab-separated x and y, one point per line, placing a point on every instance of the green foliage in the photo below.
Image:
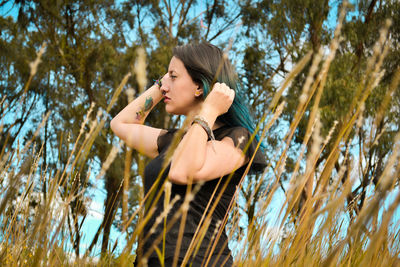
92	45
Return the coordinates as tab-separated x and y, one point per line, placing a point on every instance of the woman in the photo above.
211	147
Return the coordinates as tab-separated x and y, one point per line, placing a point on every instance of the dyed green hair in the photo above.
206	65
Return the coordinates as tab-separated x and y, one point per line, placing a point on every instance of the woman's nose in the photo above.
163	89
164	84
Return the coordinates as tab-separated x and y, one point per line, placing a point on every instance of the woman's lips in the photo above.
166	99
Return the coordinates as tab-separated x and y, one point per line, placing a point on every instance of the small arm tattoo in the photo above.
148	103
147	106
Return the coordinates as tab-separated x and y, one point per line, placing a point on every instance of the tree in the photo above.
291	29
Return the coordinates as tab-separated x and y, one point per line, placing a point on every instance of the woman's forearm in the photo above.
128	124
137	111
190	154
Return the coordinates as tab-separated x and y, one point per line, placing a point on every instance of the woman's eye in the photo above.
173	76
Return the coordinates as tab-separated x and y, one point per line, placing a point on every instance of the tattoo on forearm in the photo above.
147	106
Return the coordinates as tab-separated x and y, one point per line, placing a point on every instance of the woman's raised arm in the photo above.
197	159
128	124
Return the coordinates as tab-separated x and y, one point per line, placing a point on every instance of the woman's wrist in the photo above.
150	98
155	91
209	116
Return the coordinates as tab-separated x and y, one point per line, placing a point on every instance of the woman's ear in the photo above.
199	92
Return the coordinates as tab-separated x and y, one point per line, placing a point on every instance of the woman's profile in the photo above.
202	85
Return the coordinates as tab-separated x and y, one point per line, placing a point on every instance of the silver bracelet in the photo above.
204	124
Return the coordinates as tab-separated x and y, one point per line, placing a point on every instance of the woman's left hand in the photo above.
219	100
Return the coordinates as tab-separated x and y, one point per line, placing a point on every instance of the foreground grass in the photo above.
312	228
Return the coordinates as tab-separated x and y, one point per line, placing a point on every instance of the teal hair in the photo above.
206	64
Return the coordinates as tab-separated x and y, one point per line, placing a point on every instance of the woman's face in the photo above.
179	89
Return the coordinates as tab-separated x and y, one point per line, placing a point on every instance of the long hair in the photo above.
206	65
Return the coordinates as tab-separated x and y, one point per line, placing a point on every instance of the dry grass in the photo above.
320	235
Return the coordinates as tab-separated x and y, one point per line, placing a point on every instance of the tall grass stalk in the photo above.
311	229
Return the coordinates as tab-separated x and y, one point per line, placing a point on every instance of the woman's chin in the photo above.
170	110
173	111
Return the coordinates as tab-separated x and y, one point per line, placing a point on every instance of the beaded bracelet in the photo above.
158	82
204	124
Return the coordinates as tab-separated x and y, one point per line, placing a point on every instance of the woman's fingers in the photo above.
224	89
220	98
